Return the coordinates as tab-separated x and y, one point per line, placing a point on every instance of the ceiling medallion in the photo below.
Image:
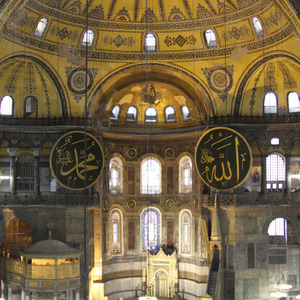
169	203
77	78
169	152
131	203
131	152
220	79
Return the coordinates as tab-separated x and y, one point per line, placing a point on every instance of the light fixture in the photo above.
282	284
278	295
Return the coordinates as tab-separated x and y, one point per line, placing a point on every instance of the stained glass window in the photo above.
150	229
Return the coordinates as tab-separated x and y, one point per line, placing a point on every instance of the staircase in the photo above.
212	283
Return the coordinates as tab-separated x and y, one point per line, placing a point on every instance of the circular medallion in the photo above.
76	160
223	158
131	203
169	203
131	152
220	79
77	80
169	152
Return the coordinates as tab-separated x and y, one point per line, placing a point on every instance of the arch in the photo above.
7	106
52	75
41	27
88	38
116	231
131	113
185	112
115	176
150	229
242	85
191	86
270	103
150	115
150	42
293	102
185	174
30	106
185	231
161	283
150	176
115	113
170	114
210	38
257	27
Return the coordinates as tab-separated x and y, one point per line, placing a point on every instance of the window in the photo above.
270	103
293	102
185	113
275	172
88	38
30	106
131	114
6	106
40	28
116	231
278	227
150	114
275	141
115	176
185	175
185	231
210	38
170	114
150	42
258	27
115	113
25	173
150	176
150	229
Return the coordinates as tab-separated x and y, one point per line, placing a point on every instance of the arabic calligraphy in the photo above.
75	157
223	158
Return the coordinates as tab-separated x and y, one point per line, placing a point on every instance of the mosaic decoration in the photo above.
180	40
219	79
131	152
111	9
169	203
202	12
270	80
150	16
188	8
169	153
224	8
77	80
118	41
274	18
223	158
236	33
122	15
10	86
176	14
150	229
289	81
64	33
211	7
131	203
75	154
30	86
162	9
254	90
97	13
150	95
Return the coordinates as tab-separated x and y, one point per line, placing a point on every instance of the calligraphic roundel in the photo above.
70	162
223	158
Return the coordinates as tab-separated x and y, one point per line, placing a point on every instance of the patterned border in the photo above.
167	25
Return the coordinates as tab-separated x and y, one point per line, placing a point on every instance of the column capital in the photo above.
13	151
36	151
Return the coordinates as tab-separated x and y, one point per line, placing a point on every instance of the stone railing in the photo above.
49	199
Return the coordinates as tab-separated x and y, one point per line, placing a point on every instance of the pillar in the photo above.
36	154
288	175
23	295
263	187
9	292
12	160
77	295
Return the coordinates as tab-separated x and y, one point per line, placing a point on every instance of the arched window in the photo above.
275	172
115	113
185	113
115	176
270	103
185	175
150	229
278	227
210	38
25	173
275	141
150	42
40	28
170	114
116	235
258	27
150	176
293	102
88	38
131	114
185	231
6	106
150	114
30	106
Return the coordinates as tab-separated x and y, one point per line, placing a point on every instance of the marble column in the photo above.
12	160
36	154
263	187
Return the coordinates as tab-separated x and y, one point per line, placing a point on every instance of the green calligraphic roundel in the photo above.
223	158
69	164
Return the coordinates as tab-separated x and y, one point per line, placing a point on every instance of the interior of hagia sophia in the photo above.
149	149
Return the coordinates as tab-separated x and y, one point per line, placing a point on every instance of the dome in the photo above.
50	248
